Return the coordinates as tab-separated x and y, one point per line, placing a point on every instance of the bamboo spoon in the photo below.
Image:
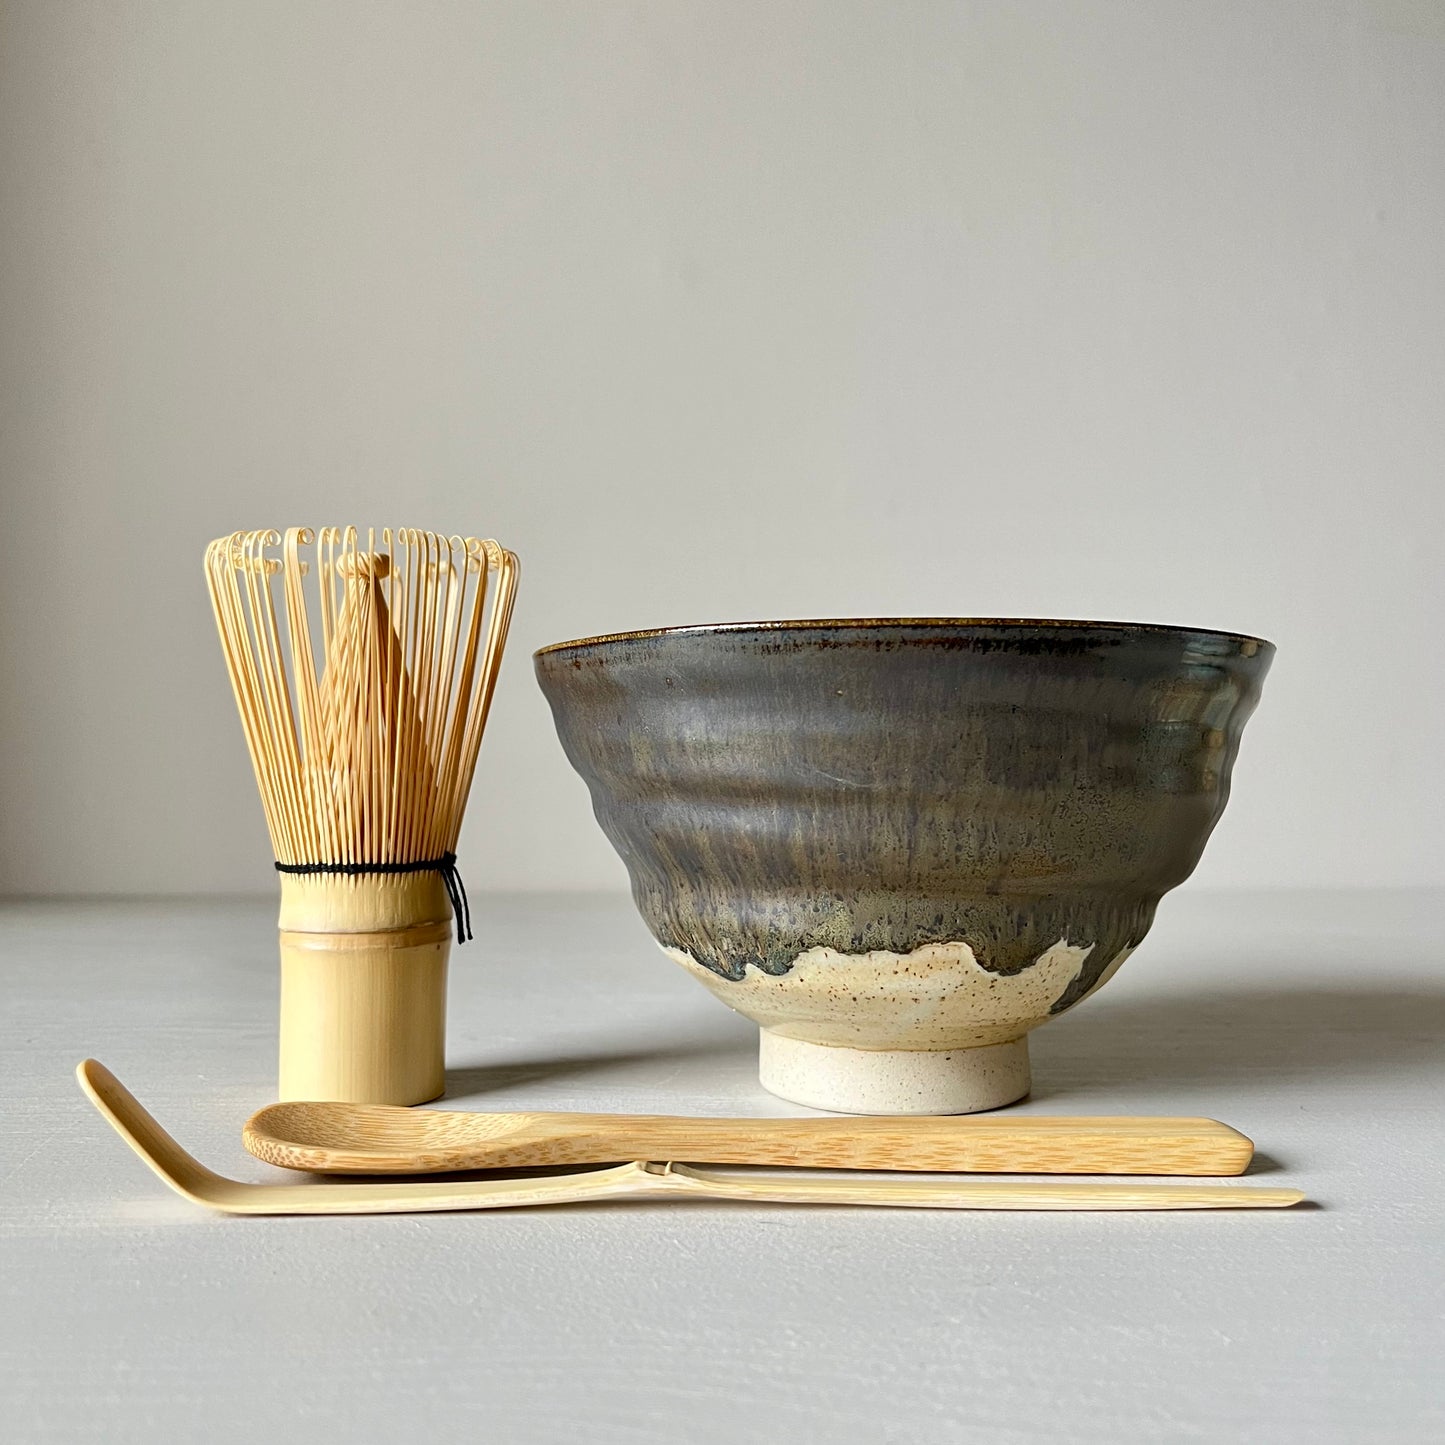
374	1139
195	1182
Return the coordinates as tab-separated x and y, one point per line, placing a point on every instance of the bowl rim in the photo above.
822	623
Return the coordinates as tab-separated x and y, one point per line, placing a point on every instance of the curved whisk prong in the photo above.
363	667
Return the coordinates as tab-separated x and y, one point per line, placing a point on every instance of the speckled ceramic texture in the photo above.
900	835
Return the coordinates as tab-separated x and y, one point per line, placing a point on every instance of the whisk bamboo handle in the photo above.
363	988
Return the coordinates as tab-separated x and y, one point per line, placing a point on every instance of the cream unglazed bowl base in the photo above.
893	1081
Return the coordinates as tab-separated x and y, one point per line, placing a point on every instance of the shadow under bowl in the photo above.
900	845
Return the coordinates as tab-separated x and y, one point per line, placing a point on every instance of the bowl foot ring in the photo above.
894	1081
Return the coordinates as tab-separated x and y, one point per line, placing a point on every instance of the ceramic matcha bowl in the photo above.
899	846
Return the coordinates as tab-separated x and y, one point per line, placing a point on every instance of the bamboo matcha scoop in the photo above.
375	1139
635	1179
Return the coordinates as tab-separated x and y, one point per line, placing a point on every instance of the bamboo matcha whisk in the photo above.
364	727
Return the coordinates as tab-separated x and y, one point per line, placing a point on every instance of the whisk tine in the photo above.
365	754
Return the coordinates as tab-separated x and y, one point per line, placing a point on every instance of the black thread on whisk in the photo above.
446	865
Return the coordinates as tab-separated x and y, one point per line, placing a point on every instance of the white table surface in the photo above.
1313	1022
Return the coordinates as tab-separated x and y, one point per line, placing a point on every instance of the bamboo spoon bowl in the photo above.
192	1180
337	1138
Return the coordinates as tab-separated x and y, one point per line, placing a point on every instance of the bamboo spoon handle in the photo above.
370	1139
949	1194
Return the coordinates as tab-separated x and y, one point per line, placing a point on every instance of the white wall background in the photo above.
712	311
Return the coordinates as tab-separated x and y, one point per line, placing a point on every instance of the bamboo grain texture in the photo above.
640	1180
359	1139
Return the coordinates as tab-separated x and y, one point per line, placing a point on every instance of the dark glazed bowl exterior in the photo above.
875	787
